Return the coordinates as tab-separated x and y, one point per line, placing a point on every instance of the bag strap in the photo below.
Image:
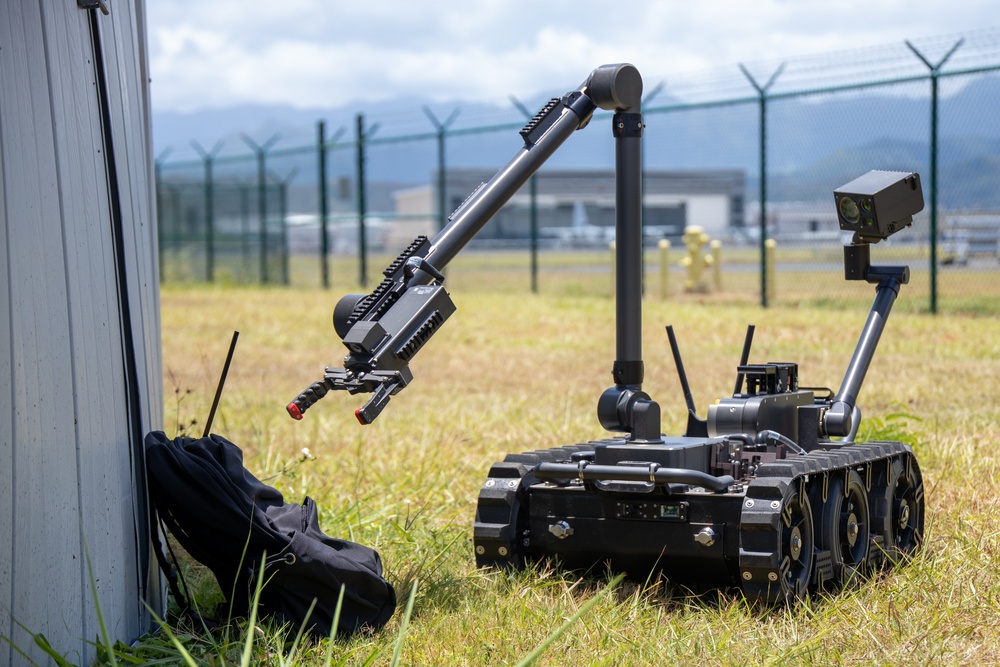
167	560
171	573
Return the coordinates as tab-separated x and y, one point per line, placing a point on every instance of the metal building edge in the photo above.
79	326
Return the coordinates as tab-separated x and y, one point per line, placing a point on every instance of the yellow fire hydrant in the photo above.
695	262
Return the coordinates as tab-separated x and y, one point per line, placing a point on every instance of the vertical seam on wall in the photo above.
13	411
132	406
137	462
143	529
81	538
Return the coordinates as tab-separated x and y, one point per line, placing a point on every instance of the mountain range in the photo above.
815	142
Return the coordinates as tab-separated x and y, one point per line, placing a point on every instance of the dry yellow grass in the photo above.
513	372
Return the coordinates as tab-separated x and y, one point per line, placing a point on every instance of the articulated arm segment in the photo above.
379	350
838	420
874	206
841	417
383	330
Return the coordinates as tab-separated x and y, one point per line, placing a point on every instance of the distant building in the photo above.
811	222
969	234
796	221
578	207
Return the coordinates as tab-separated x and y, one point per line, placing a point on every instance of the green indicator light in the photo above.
670	511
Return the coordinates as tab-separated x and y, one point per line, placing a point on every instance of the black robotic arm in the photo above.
384	329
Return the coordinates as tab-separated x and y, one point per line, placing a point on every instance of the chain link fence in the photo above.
330	207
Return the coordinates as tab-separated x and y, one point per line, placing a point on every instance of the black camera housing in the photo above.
878	204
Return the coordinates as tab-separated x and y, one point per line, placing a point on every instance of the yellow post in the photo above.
716	246
769	246
611	247
664	246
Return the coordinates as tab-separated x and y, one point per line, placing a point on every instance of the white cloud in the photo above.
310	53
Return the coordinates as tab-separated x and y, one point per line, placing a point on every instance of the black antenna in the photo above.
696	427
744	358
222	383
685	387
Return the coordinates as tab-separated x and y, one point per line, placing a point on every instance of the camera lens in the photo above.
849	210
866	204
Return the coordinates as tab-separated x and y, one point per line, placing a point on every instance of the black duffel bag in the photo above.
234	524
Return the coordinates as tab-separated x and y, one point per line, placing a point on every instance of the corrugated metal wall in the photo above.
79	322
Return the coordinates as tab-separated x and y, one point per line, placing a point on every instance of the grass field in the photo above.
512	372
803	275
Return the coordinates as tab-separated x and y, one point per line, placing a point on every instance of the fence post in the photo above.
533	223
533	210
656	90
261	152
442	129
360	135
324	202
209	222
175	206
158	190
283	211
324	208
209	157
245	232
762	97
935	70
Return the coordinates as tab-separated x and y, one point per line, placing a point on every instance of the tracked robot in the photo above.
770	492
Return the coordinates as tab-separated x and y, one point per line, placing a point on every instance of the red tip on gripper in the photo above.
294	410
361	418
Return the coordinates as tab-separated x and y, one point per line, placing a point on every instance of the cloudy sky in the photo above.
329	53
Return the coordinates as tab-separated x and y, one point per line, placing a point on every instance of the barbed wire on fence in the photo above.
829	113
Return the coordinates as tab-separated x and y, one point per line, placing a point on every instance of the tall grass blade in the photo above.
531	657
105	637
298	636
252	623
403	625
17	648
333	626
43	643
188	660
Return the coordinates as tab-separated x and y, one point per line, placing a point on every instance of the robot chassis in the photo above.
769	493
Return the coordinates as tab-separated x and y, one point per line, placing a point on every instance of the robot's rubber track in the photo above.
807	523
828	518
500	532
